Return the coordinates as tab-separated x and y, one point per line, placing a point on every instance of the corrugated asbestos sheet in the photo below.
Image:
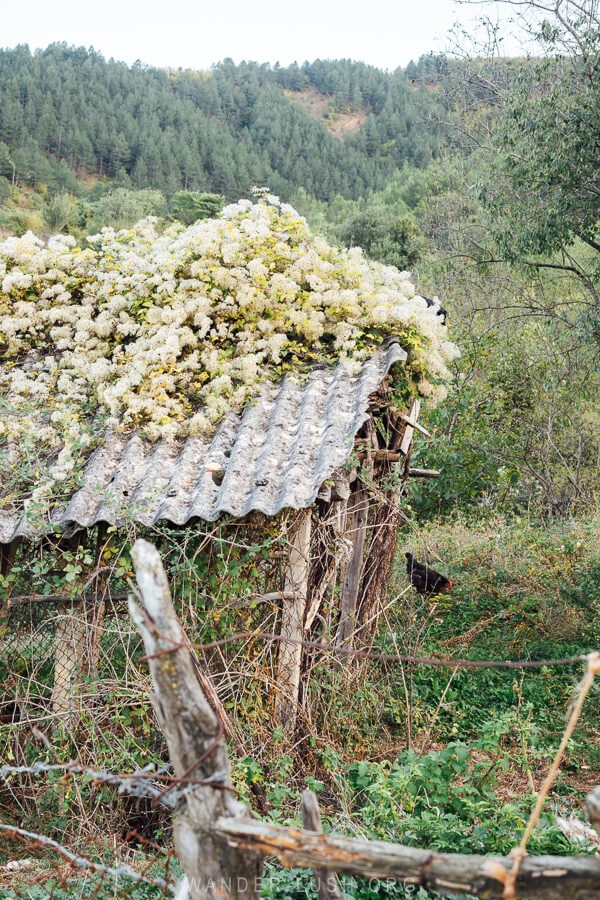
275	455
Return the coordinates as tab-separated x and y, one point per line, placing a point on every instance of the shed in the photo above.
331	453
318	458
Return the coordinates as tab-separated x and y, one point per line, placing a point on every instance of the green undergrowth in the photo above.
481	739
444	758
521	591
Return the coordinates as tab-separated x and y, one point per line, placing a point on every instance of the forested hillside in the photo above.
67	110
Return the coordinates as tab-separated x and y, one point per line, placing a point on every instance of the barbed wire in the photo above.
446	662
136	784
123	870
160	786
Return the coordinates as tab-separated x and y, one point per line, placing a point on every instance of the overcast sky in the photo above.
196	33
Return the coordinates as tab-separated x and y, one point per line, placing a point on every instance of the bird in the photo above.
424	579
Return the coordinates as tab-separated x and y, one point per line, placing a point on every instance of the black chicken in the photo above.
425	580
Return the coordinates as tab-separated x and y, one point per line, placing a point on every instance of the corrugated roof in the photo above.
275	455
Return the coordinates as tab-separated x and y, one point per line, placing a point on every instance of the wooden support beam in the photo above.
356	532
380	455
416	425
393	456
411	421
292	624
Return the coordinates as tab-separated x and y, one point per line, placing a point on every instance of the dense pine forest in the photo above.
67	111
481	176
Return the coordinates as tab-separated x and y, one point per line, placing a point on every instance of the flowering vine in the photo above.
165	330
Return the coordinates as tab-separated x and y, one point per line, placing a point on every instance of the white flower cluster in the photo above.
167	329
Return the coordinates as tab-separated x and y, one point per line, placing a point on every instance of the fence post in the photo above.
327	884
214	868
69	656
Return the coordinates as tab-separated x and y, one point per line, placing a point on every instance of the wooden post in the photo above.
214	868
385	524
69	656
337	550
292	624
356	531
327	883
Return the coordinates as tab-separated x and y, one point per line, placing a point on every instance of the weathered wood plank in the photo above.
416	425
540	878
356	532
410	422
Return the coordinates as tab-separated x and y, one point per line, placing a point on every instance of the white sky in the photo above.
188	34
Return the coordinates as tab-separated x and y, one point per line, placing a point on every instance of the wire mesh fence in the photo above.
49	646
73	686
